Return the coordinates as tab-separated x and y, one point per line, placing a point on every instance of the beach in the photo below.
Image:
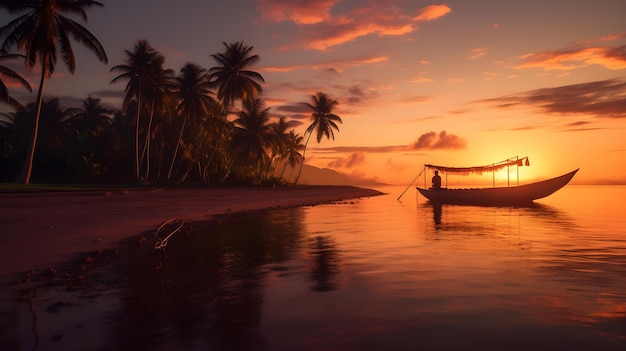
42	229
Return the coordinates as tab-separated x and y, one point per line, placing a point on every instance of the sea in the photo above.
377	273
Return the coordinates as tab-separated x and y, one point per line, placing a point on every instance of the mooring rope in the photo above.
413	181
162	243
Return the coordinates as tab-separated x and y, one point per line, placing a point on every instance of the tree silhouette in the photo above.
233	79
14	76
194	97
324	121
253	135
42	33
142	68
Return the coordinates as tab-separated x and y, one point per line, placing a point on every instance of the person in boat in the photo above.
436	180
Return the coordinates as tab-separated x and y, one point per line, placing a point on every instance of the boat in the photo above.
509	195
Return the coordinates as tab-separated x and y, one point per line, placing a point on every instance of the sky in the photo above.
456	83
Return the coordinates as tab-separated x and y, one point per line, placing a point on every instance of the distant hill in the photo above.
324	176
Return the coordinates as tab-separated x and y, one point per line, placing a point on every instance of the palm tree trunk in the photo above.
180	137
145	154
291	174
24	176
303	153
230	166
217	142
137	132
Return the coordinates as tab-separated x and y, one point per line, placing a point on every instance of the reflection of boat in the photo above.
510	195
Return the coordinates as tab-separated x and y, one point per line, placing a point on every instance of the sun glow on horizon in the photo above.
455	83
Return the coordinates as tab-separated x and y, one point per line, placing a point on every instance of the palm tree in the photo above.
12	75
160	93
56	138
43	33
93	125
324	121
253	134
195	100
92	115
233	79
279	143
292	155
142	63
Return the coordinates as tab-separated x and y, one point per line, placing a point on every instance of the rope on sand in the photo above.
162	243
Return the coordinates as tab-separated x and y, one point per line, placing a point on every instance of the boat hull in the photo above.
515	195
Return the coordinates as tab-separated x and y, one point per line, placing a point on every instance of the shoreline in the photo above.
40	229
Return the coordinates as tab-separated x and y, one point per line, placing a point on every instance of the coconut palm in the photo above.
141	66
279	141
195	100
95	137
91	116
43	33
9	74
292	155
324	121
233	78
160	93
253	135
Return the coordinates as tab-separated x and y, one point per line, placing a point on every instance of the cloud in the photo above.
298	11
334	66
477	53
395	166
416	99
420	80
358	95
613	58
355	159
327	28
295	108
427	141
432	12
337	34
606	98
434	141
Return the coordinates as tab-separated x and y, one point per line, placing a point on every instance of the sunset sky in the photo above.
459	83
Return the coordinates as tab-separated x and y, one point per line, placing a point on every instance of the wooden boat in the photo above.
510	195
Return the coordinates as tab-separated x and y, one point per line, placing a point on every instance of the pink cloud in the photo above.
298	11
612	37
432	12
584	53
613	58
327	29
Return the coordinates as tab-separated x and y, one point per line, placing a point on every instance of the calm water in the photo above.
368	274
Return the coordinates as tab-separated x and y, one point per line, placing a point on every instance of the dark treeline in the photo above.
195	125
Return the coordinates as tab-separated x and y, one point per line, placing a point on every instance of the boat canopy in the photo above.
515	161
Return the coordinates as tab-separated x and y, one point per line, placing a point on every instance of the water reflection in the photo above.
454	214
581	269
208	288
369	275
325	263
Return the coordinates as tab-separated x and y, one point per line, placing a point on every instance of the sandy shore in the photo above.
38	230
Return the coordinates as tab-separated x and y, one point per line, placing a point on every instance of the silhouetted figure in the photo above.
437	214
436	181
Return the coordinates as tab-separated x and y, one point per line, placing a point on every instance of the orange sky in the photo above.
459	83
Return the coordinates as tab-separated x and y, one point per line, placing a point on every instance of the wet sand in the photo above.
39	230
